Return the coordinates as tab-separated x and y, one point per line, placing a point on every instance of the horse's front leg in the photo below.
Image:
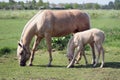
79	56
36	43
74	58
48	42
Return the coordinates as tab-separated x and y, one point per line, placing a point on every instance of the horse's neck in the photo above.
27	35
29	30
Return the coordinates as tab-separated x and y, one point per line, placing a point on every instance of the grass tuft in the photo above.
5	50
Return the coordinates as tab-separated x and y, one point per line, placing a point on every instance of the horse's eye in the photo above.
69	59
21	53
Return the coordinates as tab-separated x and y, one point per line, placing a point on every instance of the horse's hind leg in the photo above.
36	43
93	53
86	62
100	50
48	41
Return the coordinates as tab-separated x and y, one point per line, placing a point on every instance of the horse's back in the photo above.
62	22
98	34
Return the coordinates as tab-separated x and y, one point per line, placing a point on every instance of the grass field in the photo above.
11	25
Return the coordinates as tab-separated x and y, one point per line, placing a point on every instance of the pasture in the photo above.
11	25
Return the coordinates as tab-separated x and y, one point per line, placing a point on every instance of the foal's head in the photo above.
70	57
23	54
70	50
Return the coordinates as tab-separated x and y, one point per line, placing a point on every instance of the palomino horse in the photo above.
47	24
94	37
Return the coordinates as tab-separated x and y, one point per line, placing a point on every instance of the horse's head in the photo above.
23	54
69	56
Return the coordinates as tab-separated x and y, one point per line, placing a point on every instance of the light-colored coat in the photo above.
94	37
47	24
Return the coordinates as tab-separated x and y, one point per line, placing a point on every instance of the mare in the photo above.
47	24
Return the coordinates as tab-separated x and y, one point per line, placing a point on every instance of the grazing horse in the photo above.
47	24
94	37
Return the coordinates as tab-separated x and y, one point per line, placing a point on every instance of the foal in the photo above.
94	37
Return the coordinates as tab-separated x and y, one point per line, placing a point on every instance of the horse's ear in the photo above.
20	44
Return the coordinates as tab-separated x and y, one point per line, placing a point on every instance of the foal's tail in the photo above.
103	36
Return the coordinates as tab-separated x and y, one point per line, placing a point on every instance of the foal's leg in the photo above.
100	50
73	60
79	56
48	42
93	53
36	43
85	57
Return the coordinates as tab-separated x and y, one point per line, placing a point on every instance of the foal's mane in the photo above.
69	44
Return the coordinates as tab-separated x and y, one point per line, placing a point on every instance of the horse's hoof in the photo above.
76	62
101	66
49	65
94	65
30	64
72	66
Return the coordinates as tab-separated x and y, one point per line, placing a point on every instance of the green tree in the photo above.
111	5
46	5
12	2
22	4
34	4
68	6
75	6
40	3
96	6
3	5
89	6
117	4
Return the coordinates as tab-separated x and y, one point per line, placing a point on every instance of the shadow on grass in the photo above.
106	65
52	66
112	65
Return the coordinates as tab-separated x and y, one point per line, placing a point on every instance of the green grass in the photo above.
11	26
17	14
10	70
10	30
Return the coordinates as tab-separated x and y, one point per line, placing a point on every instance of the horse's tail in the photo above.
103	35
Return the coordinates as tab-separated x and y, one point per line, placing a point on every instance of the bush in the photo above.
60	43
5	50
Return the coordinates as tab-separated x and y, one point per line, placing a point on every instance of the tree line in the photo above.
12	4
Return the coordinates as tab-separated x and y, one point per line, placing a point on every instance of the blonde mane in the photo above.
29	22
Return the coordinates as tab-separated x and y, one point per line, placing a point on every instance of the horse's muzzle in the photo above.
22	64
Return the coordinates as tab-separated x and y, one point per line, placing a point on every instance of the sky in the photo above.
71	1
